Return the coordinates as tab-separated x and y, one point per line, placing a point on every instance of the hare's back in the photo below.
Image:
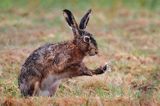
40	55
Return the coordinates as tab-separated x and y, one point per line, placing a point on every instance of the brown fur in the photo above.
46	66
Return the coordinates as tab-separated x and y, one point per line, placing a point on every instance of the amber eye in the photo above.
86	39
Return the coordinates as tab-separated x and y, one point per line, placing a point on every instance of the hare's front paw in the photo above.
105	68
87	73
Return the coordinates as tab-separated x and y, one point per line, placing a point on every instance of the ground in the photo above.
127	38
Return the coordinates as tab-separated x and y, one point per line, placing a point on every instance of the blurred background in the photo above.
78	4
127	33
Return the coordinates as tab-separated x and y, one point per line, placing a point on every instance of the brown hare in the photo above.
44	69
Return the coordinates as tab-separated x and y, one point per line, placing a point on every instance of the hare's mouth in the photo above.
92	53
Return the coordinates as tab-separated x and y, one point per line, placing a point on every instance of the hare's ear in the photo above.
84	20
71	21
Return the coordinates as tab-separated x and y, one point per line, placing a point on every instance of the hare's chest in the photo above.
76	56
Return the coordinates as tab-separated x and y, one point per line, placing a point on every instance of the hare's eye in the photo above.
86	39
82	33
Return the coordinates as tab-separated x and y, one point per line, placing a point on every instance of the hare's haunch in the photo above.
43	70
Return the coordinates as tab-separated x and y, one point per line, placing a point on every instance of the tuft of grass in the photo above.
115	91
101	92
127	34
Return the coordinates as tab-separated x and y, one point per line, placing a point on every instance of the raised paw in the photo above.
87	73
106	67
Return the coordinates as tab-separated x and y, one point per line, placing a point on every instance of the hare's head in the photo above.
83	39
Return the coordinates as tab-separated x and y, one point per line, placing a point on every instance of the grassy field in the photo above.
128	36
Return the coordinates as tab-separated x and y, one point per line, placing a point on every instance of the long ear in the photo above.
84	20
71	21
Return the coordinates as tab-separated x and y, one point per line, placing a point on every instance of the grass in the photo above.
127	34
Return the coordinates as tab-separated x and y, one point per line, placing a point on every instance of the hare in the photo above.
44	69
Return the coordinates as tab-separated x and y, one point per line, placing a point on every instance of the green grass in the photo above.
57	4
127	34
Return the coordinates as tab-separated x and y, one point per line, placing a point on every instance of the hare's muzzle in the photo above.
93	52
